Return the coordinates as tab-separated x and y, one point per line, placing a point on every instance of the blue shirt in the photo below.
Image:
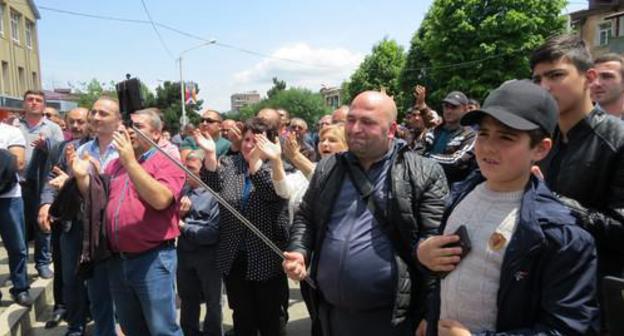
357	267
202	221
439	144
92	147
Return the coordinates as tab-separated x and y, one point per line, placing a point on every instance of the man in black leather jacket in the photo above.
362	255
586	163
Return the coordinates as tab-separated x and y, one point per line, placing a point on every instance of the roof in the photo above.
34	9
54	95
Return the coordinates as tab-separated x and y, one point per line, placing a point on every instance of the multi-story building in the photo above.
240	100
331	95
601	25
20	68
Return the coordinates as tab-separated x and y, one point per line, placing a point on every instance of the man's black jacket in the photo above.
589	168
418	191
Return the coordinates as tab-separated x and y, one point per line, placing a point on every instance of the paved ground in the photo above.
298	325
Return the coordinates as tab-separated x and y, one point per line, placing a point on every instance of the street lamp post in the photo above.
184	118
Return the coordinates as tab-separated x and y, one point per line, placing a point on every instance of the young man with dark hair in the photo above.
586	164
608	88
531	270
41	135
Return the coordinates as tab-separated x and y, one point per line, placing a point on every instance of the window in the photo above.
1	19
15	23
29	33
5	77
35	81
605	32
21	79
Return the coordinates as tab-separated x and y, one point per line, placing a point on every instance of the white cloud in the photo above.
312	67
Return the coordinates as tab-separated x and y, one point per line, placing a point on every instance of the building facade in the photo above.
601	25
20	68
240	100
331	95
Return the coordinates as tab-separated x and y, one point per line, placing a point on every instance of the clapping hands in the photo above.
204	141
269	150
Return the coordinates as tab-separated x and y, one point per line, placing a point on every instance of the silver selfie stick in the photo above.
221	201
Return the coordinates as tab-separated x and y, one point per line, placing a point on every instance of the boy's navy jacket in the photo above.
548	275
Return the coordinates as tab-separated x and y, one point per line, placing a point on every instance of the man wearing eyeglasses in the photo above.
210	124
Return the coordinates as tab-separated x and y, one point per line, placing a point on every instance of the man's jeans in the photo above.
199	280
75	291
143	291
43	254
12	231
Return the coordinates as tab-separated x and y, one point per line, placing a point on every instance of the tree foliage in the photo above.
475	45
379	71
89	92
168	101
278	85
299	102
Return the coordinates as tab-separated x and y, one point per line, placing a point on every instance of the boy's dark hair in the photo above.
611	57
536	136
569	46
258	125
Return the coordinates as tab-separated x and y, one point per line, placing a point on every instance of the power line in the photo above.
181	32
462	64
162	41
248	51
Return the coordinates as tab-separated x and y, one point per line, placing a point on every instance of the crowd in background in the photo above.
493	219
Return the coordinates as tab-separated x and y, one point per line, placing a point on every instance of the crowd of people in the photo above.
493	219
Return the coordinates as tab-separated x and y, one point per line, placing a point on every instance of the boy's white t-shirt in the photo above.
468	294
11	136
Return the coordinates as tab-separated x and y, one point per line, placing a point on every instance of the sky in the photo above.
308	44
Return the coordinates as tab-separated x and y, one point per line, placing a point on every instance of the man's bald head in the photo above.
340	114
370	126
111	103
77	122
375	100
78	112
271	116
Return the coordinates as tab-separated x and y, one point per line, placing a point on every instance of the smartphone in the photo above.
464	241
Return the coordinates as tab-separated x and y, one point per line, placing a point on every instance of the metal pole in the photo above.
266	240
183	121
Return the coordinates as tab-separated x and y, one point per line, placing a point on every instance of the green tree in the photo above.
89	92
379	71
168	101
475	45
278	85
299	102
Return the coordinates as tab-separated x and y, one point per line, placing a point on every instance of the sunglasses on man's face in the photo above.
48	115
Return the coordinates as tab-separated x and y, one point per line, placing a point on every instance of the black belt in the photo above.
131	255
